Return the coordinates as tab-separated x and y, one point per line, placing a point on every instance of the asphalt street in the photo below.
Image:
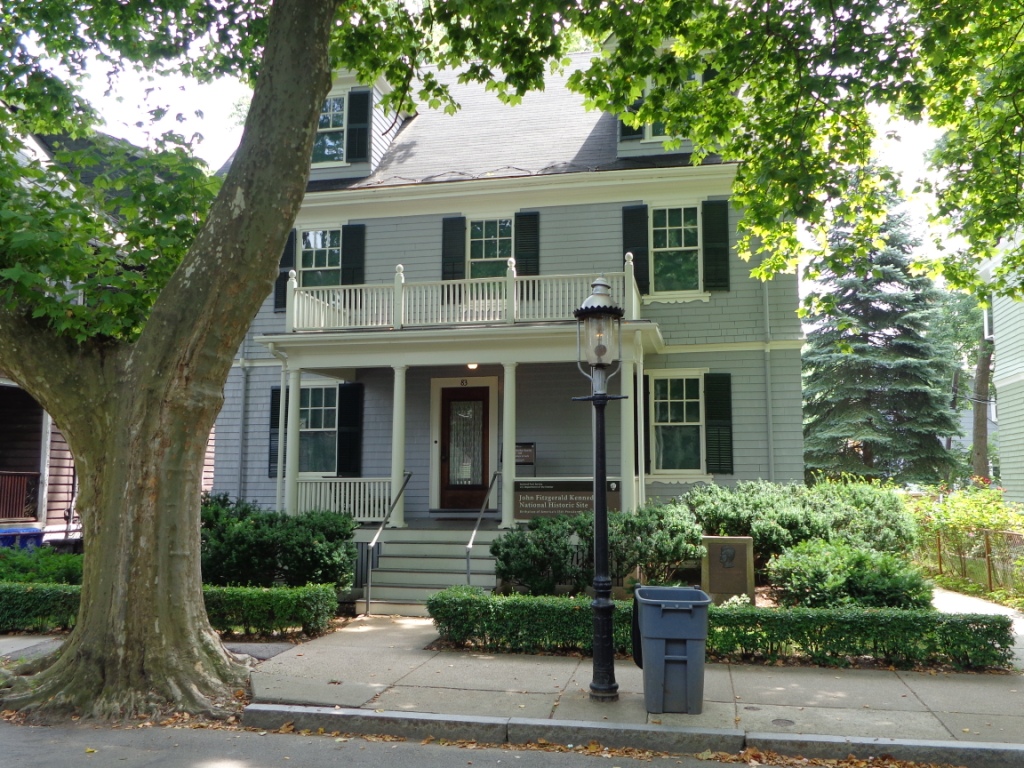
159	747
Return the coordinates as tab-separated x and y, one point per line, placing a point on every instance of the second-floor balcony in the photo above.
506	300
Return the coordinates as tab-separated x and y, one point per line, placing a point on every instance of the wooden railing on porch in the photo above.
364	498
480	301
18	494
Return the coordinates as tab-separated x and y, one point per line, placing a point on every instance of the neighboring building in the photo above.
1008	381
415	344
37	478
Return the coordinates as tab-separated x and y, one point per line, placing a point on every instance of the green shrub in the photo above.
822	574
830	637
772	514
243	545
865	515
37	607
538	557
559	550
261	610
41	565
658	539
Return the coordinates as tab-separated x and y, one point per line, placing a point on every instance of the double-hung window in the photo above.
689	424
318	425
490	247
329	144
343	129
677	422
320	258
675	237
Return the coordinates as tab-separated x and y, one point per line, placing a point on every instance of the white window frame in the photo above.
301	269
470	221
691	294
699	474
305	394
343	129
649	135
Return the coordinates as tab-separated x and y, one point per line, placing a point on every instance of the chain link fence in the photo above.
993	559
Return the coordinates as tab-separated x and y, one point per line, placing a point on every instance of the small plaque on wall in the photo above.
728	567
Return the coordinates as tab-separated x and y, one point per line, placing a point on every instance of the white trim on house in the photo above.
475	197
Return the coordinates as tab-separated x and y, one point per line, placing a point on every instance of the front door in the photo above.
464	447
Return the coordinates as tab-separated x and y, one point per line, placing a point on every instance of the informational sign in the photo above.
728	567
546	498
526	453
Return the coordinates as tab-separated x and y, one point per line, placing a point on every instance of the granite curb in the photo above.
503	730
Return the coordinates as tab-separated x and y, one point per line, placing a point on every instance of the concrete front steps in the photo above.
416	563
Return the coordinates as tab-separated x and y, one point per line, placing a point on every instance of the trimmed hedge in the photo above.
271	609
830	637
36	607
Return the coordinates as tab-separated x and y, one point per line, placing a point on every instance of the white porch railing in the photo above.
364	498
480	301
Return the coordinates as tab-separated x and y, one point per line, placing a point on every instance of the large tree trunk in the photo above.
982	379
137	416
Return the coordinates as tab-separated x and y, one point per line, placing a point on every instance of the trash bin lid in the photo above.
672	597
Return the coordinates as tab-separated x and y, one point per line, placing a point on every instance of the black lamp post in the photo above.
599	339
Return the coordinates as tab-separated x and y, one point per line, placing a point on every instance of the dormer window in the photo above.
654	131
343	129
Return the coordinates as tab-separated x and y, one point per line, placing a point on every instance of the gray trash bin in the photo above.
673	623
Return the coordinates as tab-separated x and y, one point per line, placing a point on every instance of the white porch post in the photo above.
398	445
291	469
627	435
508	447
46	433
641	448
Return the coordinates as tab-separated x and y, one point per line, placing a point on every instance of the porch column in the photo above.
627	435
291	465
508	447
43	501
398	444
641	446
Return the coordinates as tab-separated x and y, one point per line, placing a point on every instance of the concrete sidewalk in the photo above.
375	676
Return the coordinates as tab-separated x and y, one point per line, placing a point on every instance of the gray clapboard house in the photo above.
422	322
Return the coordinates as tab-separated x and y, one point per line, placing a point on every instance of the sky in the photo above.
133	98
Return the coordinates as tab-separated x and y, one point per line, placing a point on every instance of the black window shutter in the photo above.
357	132
453	248
275	420
527	246
718	423
628	133
709	74
350	429
634	240
287	264
353	254
715	234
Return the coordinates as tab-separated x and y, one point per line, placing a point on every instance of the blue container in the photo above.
673	623
26	538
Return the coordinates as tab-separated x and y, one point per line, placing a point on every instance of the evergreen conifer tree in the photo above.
875	400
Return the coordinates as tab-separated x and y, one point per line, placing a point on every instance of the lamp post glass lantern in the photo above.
599	342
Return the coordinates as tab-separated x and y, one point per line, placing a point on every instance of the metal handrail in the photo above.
479	518
373	543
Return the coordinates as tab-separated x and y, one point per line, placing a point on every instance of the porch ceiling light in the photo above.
472	366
